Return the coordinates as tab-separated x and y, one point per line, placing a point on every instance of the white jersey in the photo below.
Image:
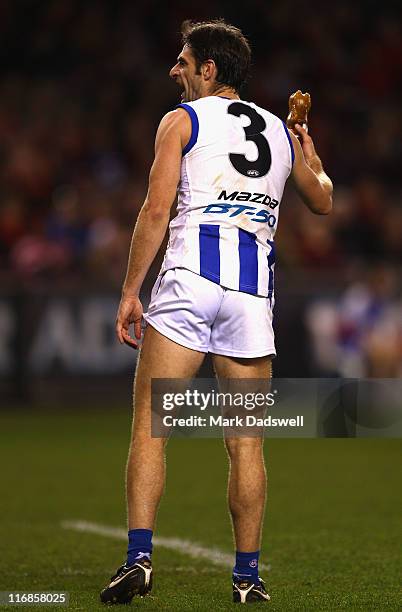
233	174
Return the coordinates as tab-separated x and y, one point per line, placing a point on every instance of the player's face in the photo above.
185	75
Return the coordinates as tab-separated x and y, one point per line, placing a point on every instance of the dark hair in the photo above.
223	43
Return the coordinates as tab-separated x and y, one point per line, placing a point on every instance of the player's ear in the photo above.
208	69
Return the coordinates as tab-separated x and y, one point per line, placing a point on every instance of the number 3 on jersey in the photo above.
253	132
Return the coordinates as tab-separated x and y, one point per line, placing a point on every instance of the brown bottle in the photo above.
299	106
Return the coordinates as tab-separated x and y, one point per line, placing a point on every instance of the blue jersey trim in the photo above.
195	127
248	256
292	151
210	258
271	266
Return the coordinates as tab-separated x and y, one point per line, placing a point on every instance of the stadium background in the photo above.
82	89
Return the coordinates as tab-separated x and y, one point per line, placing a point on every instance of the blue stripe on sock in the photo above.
248	250
210	265
247	563
139	541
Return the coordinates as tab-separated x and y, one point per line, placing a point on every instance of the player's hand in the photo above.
306	141
130	311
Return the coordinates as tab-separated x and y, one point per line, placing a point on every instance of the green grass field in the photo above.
331	531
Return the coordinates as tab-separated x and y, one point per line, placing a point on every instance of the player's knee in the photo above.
142	438
238	447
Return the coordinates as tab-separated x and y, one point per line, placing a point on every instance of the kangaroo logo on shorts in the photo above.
253	563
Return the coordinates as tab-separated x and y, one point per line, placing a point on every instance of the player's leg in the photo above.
242	343
159	358
247	477
246	486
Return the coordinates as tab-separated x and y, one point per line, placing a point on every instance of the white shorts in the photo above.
201	315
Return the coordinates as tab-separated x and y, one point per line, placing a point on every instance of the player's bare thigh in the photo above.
234	367
160	358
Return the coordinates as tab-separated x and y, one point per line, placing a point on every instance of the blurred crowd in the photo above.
84	85
359	333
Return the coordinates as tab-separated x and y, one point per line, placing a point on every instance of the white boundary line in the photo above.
197	551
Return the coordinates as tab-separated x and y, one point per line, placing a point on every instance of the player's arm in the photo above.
173	134
312	184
